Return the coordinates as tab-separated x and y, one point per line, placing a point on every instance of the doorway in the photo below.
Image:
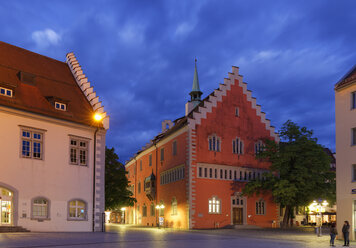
6	207
237	216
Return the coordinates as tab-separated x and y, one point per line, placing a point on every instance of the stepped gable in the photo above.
37	80
211	101
348	79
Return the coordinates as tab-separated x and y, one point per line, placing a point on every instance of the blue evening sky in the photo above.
139	55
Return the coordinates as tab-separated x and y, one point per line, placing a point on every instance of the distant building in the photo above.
345	118
51	148
191	175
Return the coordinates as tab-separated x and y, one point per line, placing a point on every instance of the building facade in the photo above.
191	175
345	126
52	151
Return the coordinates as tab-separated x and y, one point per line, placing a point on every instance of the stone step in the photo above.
7	229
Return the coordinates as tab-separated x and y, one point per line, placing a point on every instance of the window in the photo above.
152	209
260	207
200	172
258	147
78	152
140	165
139	188
144	210
211	173
237	146
216	173
236	112
150	160
354	172
353	138
174	206
162	154
5	92
205	172
161	210
40	208
214	143
77	210
214	205
353	100
138	209
32	144
60	106
174	148
173	175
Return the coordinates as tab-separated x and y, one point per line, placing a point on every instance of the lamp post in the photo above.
97	118
123	217
159	207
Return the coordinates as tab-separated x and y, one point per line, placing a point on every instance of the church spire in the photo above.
195	94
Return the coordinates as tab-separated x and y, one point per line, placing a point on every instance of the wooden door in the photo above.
237	216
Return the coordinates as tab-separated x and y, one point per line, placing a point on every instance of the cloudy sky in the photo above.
139	55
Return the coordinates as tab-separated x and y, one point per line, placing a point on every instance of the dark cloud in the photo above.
139	55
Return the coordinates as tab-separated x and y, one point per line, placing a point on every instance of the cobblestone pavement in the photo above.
126	236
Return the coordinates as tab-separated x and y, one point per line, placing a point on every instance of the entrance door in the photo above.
5	207
237	216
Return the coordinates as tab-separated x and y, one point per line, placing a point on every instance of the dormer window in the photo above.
5	92
60	106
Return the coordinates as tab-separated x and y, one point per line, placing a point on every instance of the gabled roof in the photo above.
37	81
348	79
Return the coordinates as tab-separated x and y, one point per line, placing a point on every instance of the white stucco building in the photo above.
52	151
345	117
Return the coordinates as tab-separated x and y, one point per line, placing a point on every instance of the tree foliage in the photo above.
117	194
299	173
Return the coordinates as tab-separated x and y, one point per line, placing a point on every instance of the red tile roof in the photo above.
53	80
348	79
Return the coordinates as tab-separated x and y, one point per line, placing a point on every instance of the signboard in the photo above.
161	221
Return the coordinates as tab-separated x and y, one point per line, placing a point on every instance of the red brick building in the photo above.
191	174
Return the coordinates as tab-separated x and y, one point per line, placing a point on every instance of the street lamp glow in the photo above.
123	209
98	117
160	206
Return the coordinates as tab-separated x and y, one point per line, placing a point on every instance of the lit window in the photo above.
77	210
5	92
32	144
40	208
60	106
214	143
174	206
78	152
260	207
353	100
214	205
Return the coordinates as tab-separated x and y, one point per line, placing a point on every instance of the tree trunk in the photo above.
286	216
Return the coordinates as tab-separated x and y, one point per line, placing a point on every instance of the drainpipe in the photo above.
157	224
94	167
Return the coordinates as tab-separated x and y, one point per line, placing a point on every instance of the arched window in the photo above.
237	146
174	206
40	208
259	147
152	209
214	205
260	207
77	210
214	143
144	210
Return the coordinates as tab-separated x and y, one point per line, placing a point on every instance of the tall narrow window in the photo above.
32	144
144	210
162	154
152	209
354	172
174	206
139	187
214	205
174	148
353	100
259	147
236	111
237	146
214	143
150	160
140	165
200	172
353	134
78	151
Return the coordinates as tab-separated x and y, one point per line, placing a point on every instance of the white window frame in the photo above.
237	146
60	106
214	143
214	204
6	91
78	209
259	147
36	206
76	148
32	141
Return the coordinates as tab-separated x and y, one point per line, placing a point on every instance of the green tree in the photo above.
117	194
299	173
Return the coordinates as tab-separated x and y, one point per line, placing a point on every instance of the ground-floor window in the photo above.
214	205
152	209
77	210
174	206
260	207
40	208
